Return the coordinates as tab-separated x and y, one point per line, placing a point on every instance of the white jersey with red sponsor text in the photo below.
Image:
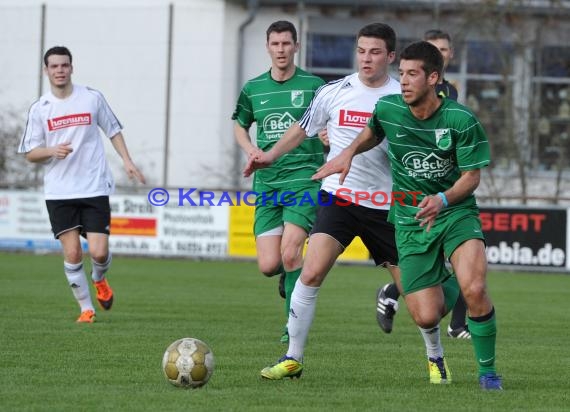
343	107
77	120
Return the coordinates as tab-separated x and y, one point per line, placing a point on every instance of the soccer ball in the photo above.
188	363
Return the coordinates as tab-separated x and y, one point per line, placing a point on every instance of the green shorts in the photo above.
276	207
423	254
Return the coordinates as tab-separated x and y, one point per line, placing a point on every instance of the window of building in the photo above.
487	99
330	56
552	126
483	72
485	57
555	62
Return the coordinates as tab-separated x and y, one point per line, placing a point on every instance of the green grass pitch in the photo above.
48	362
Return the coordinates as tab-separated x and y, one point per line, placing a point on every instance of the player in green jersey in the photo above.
437	147
387	296
274	101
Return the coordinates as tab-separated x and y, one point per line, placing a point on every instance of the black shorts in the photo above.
345	222
91	214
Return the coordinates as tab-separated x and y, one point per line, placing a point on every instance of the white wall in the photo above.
121	52
20	51
196	126
120	48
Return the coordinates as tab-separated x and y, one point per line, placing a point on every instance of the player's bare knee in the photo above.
309	278
424	318
430	323
291	257
474	292
99	256
73	256
291	263
270	269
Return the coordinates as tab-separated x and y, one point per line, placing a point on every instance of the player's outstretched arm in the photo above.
243	139
341	163
118	142
292	138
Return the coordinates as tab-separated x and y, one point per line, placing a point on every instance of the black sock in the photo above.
458	313
392	291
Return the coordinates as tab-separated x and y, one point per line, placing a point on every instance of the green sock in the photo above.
450	292
290	280
484	336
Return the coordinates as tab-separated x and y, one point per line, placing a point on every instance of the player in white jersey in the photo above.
357	208
342	107
63	134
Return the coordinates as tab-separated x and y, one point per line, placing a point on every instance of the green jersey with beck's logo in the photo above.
274	106
428	155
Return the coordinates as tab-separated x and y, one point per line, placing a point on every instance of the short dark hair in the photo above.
436	34
282	26
427	53
58	50
380	31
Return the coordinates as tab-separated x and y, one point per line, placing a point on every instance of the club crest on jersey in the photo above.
443	138
297	98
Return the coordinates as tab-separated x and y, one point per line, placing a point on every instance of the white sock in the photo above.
99	269
79	286
432	341
301	315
